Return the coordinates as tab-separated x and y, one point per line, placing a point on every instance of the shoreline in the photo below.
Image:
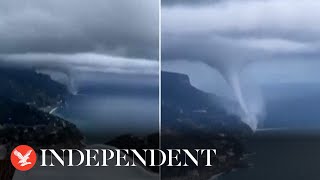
53	110
215	177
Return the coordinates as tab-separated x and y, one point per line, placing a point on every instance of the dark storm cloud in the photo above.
114	27
253	29
70	37
281	39
232	34
87	38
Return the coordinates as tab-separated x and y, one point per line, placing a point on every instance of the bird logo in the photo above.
23	158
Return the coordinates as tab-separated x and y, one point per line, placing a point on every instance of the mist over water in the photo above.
252	108
248	116
228	58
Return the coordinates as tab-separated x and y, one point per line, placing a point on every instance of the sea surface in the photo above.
281	155
289	147
102	117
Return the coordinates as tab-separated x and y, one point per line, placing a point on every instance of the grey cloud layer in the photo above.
250	29
108	36
122	28
85	62
230	35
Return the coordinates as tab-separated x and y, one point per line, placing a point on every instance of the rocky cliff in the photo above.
29	87
194	119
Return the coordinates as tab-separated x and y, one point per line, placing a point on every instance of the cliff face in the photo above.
176	90
194	119
32	88
184	104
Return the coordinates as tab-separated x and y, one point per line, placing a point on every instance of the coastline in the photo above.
53	110
215	177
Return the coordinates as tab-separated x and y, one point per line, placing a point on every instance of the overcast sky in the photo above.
111	36
273	41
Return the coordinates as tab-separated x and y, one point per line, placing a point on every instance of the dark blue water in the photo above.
292	153
292	106
102	117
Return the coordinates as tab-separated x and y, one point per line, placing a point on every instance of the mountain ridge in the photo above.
30	87
193	119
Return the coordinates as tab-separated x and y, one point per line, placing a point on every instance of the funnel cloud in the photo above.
80	37
231	37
